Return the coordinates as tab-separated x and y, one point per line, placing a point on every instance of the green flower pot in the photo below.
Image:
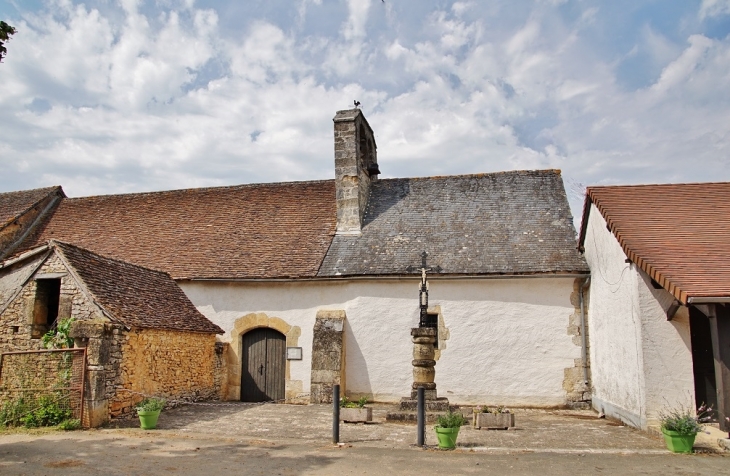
148	420
678	442
447	437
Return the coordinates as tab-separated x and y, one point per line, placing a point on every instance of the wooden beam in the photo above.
720	330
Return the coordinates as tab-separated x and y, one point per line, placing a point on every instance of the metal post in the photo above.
335	414
421	411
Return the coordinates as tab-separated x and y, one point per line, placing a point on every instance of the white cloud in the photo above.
681	69
354	28
714	8
138	101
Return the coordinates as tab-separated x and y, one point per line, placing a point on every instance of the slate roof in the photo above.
679	234
15	204
135	296
501	223
279	230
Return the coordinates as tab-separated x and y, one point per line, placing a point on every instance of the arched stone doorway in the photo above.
263	372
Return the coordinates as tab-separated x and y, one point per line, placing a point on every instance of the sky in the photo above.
116	96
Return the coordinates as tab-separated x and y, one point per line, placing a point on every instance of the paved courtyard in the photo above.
296	440
562	431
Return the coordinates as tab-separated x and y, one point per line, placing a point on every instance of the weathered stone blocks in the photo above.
328	355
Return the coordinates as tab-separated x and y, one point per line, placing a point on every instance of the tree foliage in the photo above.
6	31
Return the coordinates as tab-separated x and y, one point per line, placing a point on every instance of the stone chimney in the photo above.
356	165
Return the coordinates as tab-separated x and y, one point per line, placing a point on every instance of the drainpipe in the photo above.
584	348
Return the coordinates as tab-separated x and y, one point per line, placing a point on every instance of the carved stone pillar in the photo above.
424	365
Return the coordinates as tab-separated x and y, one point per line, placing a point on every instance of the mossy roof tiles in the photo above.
507	223
14	204
248	231
132	295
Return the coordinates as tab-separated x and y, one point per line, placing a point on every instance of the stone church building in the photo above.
310	283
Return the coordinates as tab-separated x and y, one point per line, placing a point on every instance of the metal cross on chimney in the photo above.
423	288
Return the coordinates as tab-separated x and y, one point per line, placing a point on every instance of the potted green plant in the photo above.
680	426
494	418
355	412
148	411
447	428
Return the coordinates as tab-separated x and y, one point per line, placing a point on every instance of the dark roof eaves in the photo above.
332	277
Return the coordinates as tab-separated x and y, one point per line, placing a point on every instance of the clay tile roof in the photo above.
133	295
679	234
501	223
14	204
249	231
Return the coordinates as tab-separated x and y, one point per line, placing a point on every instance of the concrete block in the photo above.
494	421
356	415
96	412
95	385
87	329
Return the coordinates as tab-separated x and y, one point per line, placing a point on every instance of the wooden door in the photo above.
703	362
264	365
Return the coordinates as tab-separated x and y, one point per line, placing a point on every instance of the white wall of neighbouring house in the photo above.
506	340
667	350
617	374
640	362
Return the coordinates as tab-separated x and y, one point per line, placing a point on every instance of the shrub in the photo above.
347	403
70	425
151	405
12	411
48	413
58	338
450	420
683	420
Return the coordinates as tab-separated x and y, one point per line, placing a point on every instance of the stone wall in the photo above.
170	364
577	377
16	321
328	355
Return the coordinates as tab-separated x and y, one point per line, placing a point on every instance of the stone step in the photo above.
412	417
437	405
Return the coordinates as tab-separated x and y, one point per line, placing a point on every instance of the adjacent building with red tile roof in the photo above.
659	298
679	234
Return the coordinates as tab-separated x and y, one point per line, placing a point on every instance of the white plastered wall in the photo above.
640	362
508	340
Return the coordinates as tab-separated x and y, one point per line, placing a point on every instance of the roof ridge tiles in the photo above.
481	174
204	189
640	185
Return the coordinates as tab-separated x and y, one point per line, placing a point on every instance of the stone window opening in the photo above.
45	306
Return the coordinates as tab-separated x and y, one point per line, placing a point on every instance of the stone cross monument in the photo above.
424	337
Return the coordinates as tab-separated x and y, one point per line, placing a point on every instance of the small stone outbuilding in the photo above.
142	334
